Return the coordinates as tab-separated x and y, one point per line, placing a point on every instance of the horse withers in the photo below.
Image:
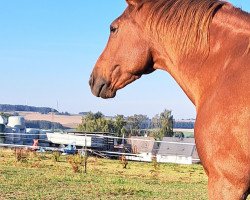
205	46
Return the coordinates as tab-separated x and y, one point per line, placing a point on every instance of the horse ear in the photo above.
133	2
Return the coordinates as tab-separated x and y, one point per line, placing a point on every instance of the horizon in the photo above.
80	113
48	50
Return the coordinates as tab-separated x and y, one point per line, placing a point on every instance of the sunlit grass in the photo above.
40	177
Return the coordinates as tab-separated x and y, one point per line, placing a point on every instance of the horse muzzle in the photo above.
100	88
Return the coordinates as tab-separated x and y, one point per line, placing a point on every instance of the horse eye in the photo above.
113	29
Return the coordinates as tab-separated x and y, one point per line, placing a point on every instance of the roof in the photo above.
142	144
178	146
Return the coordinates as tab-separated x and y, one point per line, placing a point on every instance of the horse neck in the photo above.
229	39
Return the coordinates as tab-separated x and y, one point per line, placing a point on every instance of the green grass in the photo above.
42	178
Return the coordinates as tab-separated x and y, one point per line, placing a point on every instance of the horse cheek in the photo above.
140	58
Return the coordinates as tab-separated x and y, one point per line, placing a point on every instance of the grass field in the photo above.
66	120
40	177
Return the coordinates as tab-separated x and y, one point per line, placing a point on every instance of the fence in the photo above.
173	150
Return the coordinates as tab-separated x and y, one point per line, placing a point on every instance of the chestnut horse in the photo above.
205	46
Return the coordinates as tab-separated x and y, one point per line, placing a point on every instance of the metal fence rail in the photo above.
119	151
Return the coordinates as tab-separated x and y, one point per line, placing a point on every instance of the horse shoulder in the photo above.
222	129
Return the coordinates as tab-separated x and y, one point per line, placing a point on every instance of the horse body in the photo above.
222	129
215	76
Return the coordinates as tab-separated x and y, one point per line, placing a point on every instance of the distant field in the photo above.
66	120
106	179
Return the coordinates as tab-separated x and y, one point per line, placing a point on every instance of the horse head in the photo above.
126	57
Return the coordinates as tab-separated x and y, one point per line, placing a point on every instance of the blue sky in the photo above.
47	52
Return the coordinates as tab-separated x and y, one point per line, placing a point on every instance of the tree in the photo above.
166	119
119	125
164	123
137	122
155	122
133	125
89	116
96	122
98	115
143	121
42	124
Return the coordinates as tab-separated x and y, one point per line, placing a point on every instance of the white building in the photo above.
178	150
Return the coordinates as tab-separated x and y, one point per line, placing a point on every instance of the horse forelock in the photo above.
184	22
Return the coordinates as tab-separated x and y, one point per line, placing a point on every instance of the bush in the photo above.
77	162
124	161
21	155
56	156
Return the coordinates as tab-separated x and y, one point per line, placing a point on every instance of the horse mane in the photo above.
184	22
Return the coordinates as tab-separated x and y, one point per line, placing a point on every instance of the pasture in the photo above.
40	177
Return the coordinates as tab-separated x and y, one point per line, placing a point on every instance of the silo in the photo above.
17	122
2	130
3	120
9	136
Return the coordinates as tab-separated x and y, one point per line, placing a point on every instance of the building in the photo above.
144	148
177	150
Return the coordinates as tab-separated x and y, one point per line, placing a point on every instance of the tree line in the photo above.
42	124
24	108
159	126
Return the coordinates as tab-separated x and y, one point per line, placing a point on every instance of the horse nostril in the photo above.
98	86
91	80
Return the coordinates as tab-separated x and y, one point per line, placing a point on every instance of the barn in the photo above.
144	148
177	150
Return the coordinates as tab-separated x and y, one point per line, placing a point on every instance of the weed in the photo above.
21	155
155	171
56	156
156	165
76	162
124	161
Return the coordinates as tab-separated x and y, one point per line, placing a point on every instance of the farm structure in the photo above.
13	131
136	148
169	150
99	141
177	150
145	148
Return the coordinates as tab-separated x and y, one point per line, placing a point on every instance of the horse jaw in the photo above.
104	89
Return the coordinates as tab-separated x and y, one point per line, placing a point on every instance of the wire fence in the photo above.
22	137
177	150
